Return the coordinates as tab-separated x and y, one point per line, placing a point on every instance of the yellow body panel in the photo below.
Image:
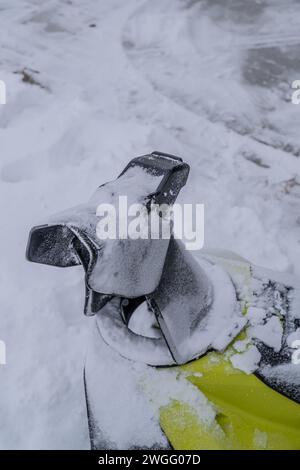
250	415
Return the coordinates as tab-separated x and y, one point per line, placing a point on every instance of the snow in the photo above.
167	385
207	81
139	391
246	361
269	333
256	315
241	345
115	394
143	322
292	337
224	320
287	373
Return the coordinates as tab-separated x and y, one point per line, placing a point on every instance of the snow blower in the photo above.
187	350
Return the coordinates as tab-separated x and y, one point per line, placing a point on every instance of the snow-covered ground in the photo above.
91	84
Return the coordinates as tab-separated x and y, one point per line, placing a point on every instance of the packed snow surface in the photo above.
91	85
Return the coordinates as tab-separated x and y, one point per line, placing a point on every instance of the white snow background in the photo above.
92	84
